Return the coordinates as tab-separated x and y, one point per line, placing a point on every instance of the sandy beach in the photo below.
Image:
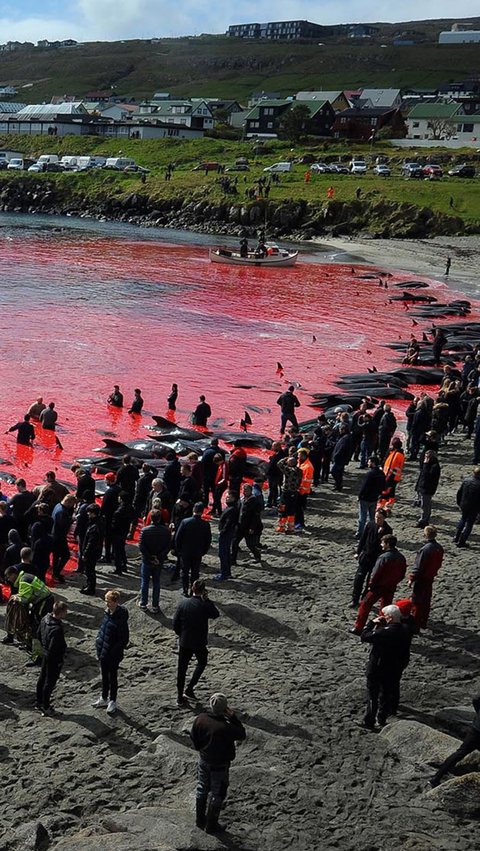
309	776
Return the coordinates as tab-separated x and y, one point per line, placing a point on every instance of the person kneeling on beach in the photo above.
214	734
112	639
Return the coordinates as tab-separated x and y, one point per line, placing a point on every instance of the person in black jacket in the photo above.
137	404
53	643
25	431
112	639
188	490
426	487
201	413
172	398
210	469
386	430
470	743
390	641
468	500
274	475
214	734
249	525
121	522
85	485
373	484
172	475
127	476
142	490
341	455
116	398
227	526
368	551
155	541
108	509
62	520
92	548
288	402
192	541
18	505
42	545
190	623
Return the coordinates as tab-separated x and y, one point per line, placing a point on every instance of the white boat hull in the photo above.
233	258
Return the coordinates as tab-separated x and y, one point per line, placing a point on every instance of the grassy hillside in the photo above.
218	66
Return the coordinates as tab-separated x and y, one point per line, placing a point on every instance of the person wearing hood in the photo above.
92	548
112	639
15	545
53	643
214	734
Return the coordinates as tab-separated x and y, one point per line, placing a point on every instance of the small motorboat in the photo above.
274	256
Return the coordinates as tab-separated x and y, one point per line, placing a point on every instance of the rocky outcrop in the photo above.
290	218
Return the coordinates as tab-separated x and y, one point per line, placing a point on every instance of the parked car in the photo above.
118	163
285	166
38	167
382	170
412	170
3	164
238	167
15	164
322	168
46	159
432	171
358	167
137	168
463	170
207	166
339	168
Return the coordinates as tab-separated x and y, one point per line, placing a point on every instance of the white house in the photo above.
432	121
197	116
459	37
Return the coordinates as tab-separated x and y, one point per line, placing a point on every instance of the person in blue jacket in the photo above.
112	639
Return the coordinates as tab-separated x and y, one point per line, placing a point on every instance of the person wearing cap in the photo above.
427	564
107	510
393	470
373	483
468	501
116	398
190	623
390	641
214	734
426	487
288	402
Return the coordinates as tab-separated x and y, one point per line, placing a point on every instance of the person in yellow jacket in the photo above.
306	467
393	470
32	593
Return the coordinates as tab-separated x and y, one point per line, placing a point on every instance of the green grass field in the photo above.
187	183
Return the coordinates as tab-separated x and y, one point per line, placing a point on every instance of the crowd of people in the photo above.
41	529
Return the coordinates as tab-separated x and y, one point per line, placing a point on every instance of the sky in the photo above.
110	20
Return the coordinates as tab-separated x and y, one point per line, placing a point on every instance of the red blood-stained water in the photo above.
82	310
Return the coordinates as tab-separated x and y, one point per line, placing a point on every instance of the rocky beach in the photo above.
308	776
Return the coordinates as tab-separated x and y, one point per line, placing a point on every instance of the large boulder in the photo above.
460	796
31	836
147	829
419	744
456	719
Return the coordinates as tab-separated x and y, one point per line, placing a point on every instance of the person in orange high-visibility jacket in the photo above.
393	469
306	466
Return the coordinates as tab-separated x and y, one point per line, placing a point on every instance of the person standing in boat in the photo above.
172	398
261	249
244	247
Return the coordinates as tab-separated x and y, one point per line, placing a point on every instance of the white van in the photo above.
279	167
119	163
45	159
15	164
69	163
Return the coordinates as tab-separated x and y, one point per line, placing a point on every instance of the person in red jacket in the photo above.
390	568
427	564
393	470
306	466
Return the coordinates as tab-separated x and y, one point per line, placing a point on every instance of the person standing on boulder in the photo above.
214	734
427	564
288	402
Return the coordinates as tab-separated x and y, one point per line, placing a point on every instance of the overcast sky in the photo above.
89	20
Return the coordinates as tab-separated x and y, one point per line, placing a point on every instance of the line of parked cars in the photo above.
430	171
54	163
